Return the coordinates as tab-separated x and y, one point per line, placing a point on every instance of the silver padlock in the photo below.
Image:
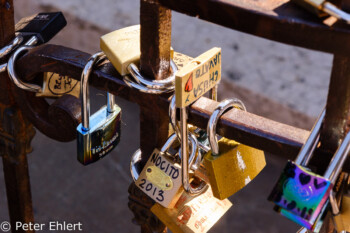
100	133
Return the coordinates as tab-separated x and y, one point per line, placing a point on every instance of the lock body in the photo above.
56	85
122	47
161	179
233	168
44	26
192	213
316	226
301	193
101	138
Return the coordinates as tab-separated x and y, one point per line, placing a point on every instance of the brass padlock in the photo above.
192	213
160	179
56	85
230	166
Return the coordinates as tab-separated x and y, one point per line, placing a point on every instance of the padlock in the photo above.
302	194
35	30
98	135
322	7
192	214
56	85
40	27
230	166
191	82
122	48
198	77
160	179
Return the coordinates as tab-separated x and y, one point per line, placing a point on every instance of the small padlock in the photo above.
302	194
98	135
192	213
56	85
160	179
229	165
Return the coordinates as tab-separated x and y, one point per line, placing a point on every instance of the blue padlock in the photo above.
99	134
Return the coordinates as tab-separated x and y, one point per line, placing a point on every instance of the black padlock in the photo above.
39	28
43	26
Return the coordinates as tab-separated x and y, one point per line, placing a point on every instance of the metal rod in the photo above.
184	147
338	160
305	153
110	103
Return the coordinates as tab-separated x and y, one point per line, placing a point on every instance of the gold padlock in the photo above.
198	77
192	213
230	166
56	85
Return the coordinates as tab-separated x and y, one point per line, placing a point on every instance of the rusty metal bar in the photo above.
245	127
154	64
278	20
15	136
336	122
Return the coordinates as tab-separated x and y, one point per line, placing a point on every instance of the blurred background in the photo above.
284	83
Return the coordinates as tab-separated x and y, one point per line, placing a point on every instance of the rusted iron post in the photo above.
15	136
336	123
337	120
155	59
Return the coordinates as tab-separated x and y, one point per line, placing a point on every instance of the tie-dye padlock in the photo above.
302	194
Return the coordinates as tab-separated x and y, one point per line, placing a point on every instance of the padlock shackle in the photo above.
135	159
13	74
84	90
338	160
333	10
214	118
167	83
11	46
185	163
306	151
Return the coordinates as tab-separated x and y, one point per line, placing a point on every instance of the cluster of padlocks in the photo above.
191	176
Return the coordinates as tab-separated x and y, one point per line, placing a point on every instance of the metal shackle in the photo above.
135	159
306	151
11	46
172	117
176	127
84	90
154	84
214	118
13	74
338	160
193	142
